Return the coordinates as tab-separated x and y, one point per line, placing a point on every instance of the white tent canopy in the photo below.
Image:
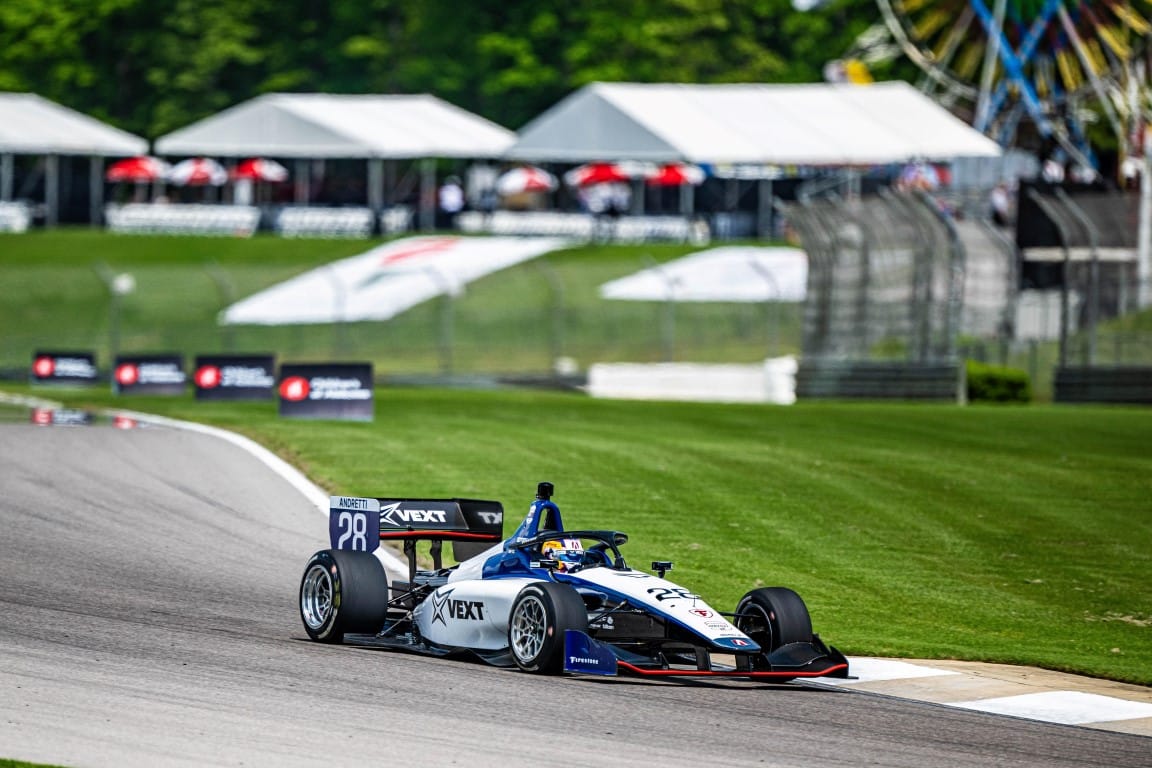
817	125
33	125
319	125
732	273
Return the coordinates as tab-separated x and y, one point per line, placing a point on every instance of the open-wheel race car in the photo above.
545	599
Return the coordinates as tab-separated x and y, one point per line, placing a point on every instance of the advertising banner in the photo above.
149	375
68	368
234	377
327	391
61	417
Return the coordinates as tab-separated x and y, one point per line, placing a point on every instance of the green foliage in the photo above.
996	384
151	66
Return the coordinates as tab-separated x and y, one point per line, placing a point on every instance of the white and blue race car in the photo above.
545	599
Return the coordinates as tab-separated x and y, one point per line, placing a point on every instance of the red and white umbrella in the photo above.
676	175
605	173
198	171
526	178
260	169
137	169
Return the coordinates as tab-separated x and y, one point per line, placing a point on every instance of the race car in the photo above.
546	599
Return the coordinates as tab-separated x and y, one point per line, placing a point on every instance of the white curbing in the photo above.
1065	707
393	564
1068	707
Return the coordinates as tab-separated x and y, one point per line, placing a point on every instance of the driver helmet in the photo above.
568	553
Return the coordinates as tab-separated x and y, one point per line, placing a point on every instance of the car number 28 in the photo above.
349	529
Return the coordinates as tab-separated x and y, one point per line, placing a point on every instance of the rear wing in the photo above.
352	521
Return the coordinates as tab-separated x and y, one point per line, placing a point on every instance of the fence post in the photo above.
556	310
1094	272
450	291
957	273
668	320
118	286
1062	232
769	304
339	342
227	291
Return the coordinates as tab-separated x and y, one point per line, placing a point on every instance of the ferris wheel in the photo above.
1059	63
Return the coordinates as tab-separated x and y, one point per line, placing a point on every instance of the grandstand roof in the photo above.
318	125
816	124
33	125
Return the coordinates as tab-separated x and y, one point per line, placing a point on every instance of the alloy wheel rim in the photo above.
316	597
528	628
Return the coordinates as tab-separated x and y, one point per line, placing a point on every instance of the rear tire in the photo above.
343	592
540	615
774	616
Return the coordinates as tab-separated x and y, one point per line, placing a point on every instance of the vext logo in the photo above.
127	374
463	610
294	388
44	367
208	377
390	513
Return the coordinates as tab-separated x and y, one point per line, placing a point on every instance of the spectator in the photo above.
1001	202
451	200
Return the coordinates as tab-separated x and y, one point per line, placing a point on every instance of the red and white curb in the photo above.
1030	694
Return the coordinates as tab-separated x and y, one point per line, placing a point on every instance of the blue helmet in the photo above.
568	553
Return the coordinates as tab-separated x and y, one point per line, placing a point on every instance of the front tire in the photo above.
540	615
774	616
343	592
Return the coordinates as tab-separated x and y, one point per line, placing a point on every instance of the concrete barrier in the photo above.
773	381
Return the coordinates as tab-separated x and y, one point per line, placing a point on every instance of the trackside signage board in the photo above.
61	417
326	391
149	375
67	368
234	377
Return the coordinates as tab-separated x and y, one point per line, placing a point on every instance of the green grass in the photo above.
517	321
1004	534
1020	535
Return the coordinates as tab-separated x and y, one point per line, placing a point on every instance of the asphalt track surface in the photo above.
147	618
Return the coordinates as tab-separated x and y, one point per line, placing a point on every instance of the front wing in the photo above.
584	654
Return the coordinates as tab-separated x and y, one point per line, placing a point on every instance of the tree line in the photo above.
152	66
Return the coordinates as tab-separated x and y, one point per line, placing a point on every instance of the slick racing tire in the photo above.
343	592
540	615
774	616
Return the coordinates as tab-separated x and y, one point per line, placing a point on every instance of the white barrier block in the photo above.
14	217
773	381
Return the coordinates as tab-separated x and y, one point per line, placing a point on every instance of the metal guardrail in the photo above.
1103	384
881	381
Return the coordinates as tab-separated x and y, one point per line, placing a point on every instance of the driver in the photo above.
568	553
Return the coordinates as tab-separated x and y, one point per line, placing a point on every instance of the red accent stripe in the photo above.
734	673
430	245
428	534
